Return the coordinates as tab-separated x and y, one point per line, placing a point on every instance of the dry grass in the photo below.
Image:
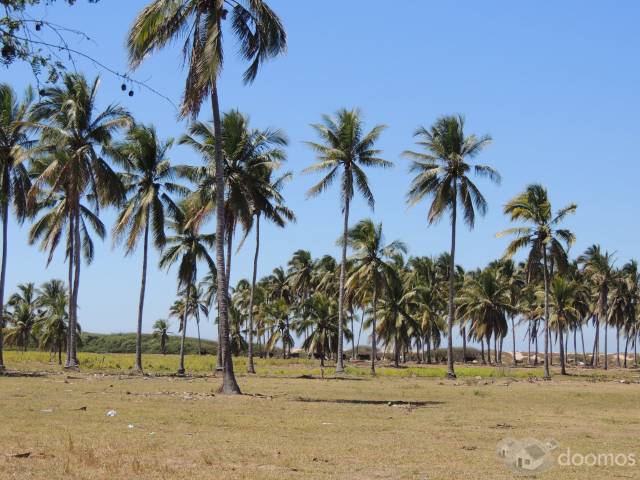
287	427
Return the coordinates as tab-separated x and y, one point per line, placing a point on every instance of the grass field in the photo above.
406	423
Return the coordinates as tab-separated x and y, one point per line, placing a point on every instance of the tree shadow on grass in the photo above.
9	373
389	403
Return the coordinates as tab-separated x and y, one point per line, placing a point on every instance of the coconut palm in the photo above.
23	315
54	317
147	177
260	35
343	151
371	269
601	274
321	325
546	242
73	129
186	247
161	331
15	144
443	172
485	303
564	295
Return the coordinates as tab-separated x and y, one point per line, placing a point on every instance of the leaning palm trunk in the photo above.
547	374
143	284
250	366
229	384
343	268
5	227
451	317
184	330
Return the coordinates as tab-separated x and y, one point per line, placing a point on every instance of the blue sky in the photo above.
554	84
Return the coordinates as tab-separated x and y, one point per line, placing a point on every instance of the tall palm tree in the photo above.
601	274
161	331
147	177
15	144
371	271
186	247
260	35
250	156
443	172
73	129
545	240
343	151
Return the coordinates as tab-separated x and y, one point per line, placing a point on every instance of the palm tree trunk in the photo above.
76	288
353	339
5	228
606	359
250	367
596	342
463	332
374	352
452	273
489	348
535	341
618	345
513	336
584	352
484	360
575	346
428	342
143	284
550	349
184	329
343	268
547	374
71	258
563	370
199	339
229	383
626	350
529	344
359	332
495	348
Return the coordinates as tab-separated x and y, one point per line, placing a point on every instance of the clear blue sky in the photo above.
554	83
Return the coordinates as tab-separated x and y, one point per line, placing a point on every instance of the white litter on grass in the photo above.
130	425
326	423
47	410
152	433
111	413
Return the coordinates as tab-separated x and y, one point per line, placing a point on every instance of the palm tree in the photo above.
161	331
485	303
565	296
443	173
371	271
24	315
148	178
72	128
53	322
544	239
512	278
186	247
14	178
321	324
343	152
601	274
261	36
